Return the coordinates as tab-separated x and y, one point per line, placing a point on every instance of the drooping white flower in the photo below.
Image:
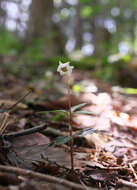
65	68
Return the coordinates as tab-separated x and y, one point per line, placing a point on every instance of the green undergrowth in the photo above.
101	69
25	68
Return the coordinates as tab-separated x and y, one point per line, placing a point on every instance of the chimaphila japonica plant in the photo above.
66	69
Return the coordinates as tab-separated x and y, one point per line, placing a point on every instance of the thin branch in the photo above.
131	167
7	111
127	183
42	177
18	101
25	132
4	122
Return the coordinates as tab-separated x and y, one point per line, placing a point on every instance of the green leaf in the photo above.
62	140
88	131
58	116
63	111
74	108
85	112
85	132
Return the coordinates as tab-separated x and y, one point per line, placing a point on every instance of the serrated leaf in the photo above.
74	108
88	131
85	112
42	112
62	140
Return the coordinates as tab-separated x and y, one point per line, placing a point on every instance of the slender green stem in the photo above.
70	123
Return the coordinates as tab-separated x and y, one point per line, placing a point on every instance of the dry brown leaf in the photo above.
96	140
63	101
30	140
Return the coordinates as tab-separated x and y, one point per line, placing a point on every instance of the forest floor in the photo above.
104	159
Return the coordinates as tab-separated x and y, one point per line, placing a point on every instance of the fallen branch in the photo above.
42	177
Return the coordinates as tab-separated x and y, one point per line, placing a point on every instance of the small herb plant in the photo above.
66	69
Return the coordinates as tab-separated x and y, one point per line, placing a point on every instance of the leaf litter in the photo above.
105	159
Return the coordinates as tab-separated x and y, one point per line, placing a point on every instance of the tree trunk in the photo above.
2	17
101	35
78	30
41	26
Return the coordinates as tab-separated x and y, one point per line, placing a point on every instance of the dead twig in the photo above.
4	122
127	183
18	101
7	111
131	166
10	136
42	177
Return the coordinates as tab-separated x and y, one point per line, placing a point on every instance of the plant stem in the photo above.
70	124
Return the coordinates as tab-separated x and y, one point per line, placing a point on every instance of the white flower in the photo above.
65	68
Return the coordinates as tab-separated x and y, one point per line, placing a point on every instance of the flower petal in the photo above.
65	68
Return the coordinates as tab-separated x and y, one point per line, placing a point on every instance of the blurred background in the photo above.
95	35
